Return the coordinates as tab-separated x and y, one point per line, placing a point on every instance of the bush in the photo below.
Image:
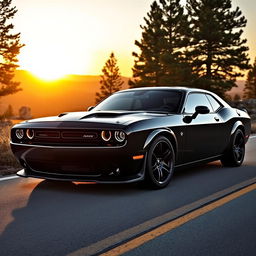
8	163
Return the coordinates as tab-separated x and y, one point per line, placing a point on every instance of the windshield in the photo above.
142	100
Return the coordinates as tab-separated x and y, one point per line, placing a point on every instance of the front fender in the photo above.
165	132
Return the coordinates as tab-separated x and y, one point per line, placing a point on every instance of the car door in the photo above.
201	134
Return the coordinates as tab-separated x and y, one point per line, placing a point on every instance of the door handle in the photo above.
217	119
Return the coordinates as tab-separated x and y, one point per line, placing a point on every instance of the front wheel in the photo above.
234	156
160	163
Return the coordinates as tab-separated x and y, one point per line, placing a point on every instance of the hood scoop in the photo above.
62	114
106	114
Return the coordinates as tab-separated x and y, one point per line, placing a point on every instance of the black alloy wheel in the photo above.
234	156
160	163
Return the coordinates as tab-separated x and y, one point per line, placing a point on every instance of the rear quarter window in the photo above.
215	104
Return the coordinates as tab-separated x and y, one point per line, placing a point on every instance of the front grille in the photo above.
67	137
41	134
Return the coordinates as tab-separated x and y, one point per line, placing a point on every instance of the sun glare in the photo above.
50	64
48	74
47	68
46	63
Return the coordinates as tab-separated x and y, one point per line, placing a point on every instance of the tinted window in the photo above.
142	100
215	104
194	100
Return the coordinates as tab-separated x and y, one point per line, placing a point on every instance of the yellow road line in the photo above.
175	223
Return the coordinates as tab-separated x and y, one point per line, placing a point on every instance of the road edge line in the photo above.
9	177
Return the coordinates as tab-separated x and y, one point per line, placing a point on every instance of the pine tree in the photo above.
111	80
161	61
250	84
175	66
9	49
217	53
148	70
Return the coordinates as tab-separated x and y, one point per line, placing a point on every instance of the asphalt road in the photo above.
52	218
228	230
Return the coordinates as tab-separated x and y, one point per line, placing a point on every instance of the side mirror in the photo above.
90	108
202	110
199	110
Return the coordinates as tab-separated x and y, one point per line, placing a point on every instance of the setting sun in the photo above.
51	63
46	62
47	73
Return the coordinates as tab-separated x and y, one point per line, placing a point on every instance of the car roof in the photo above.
185	89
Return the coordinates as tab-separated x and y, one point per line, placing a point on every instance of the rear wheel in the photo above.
234	156
160	163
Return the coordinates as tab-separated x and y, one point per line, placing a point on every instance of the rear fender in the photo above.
235	126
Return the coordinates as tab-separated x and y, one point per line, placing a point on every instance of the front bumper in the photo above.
81	178
101	164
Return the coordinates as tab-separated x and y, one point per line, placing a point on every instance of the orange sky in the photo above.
76	37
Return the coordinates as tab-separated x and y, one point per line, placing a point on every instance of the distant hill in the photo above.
72	93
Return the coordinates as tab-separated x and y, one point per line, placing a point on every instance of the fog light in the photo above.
30	134
106	135
119	136
19	134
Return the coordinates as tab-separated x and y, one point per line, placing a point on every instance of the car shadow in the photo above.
110	189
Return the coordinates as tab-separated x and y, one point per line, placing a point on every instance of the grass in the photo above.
8	163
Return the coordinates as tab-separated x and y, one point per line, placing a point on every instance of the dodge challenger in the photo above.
133	135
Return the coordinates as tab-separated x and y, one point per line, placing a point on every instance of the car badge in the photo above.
88	136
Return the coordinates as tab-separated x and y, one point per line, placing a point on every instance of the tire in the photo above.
234	156
159	163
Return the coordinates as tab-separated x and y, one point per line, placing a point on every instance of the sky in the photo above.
77	36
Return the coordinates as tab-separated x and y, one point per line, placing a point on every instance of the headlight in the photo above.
119	136
30	134
106	135
19	134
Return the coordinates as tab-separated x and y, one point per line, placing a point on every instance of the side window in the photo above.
215	104
194	100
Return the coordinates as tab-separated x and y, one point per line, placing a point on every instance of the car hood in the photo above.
108	117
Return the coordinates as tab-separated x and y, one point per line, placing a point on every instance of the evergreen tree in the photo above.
217	53
9	49
111	80
250	85
148	70
175	24
161	61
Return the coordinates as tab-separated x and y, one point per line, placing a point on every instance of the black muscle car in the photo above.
136	134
